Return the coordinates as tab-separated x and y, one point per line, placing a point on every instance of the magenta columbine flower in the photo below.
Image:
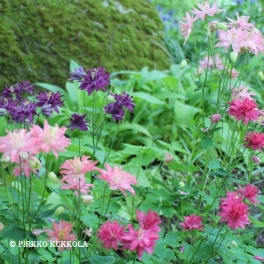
77	74
192	222
116	110
78	121
95	79
25	87
50	98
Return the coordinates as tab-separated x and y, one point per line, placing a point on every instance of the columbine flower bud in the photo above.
234	243
181	184
34	163
168	158
53	177
2	111
27	123
183	64
221	26
60	210
233	56
1	227
5	161
260	75
215	118
199	72
212	26
110	98
256	159
87	199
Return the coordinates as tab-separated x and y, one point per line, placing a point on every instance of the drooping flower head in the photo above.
258	258
8	103
95	79
61	232
245	110
77	74
256	159
125	100
53	99
149	221
241	92
78	121
140	240
47	110
215	118
118	179
76	168
192	222
254	140
206	10
110	234
11	92
25	87
50	138
116	110
242	22
186	28
249	192
212	63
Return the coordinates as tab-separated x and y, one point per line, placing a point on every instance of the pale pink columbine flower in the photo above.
18	144
111	234
37	232
234	74
241	92
88	232
186	28
77	168
118	179
51	138
242	22
31	164
234	213
206	10
213	62
168	158
249	192
258	258
183	193
140	240
61	232
215	118
149	221
192	222
255	42
234	37
256	159
77	184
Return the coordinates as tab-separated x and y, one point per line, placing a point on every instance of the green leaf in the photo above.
176	166
164	253
147	97
207	198
207	142
167	210
152	76
14	234
71	88
214	165
137	129
90	220
172	238
95	259
74	65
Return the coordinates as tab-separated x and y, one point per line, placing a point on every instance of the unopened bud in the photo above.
60	210
168	158
53	177
87	199
1	227
183	64
199	72
260	75
2	111
27	123
256	159
5	161
233	56
234	243
221	26
215	118
110	98
34	163
181	184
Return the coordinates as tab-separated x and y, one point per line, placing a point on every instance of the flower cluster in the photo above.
141	239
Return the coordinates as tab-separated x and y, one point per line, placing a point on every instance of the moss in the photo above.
39	38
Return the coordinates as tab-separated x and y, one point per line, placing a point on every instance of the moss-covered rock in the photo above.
38	38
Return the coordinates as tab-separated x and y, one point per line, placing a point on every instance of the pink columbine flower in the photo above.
149	221
256	159
235	37
234	213
215	118
182	249
249	192
140	240
88	232
192	222
18	144
255	42
76	168
31	164
241	92
258	258
213	62
111	234
168	158
51	138
37	232
254	140
234	74
206	10
77	184
186	28
230	196
245	110
118	179
242	22
61	232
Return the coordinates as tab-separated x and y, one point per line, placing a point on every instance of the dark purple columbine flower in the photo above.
47	110
77	74
95	79
125	100
78	121
50	98
24	111
8	103
116	110
171	12
25	87
11	92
